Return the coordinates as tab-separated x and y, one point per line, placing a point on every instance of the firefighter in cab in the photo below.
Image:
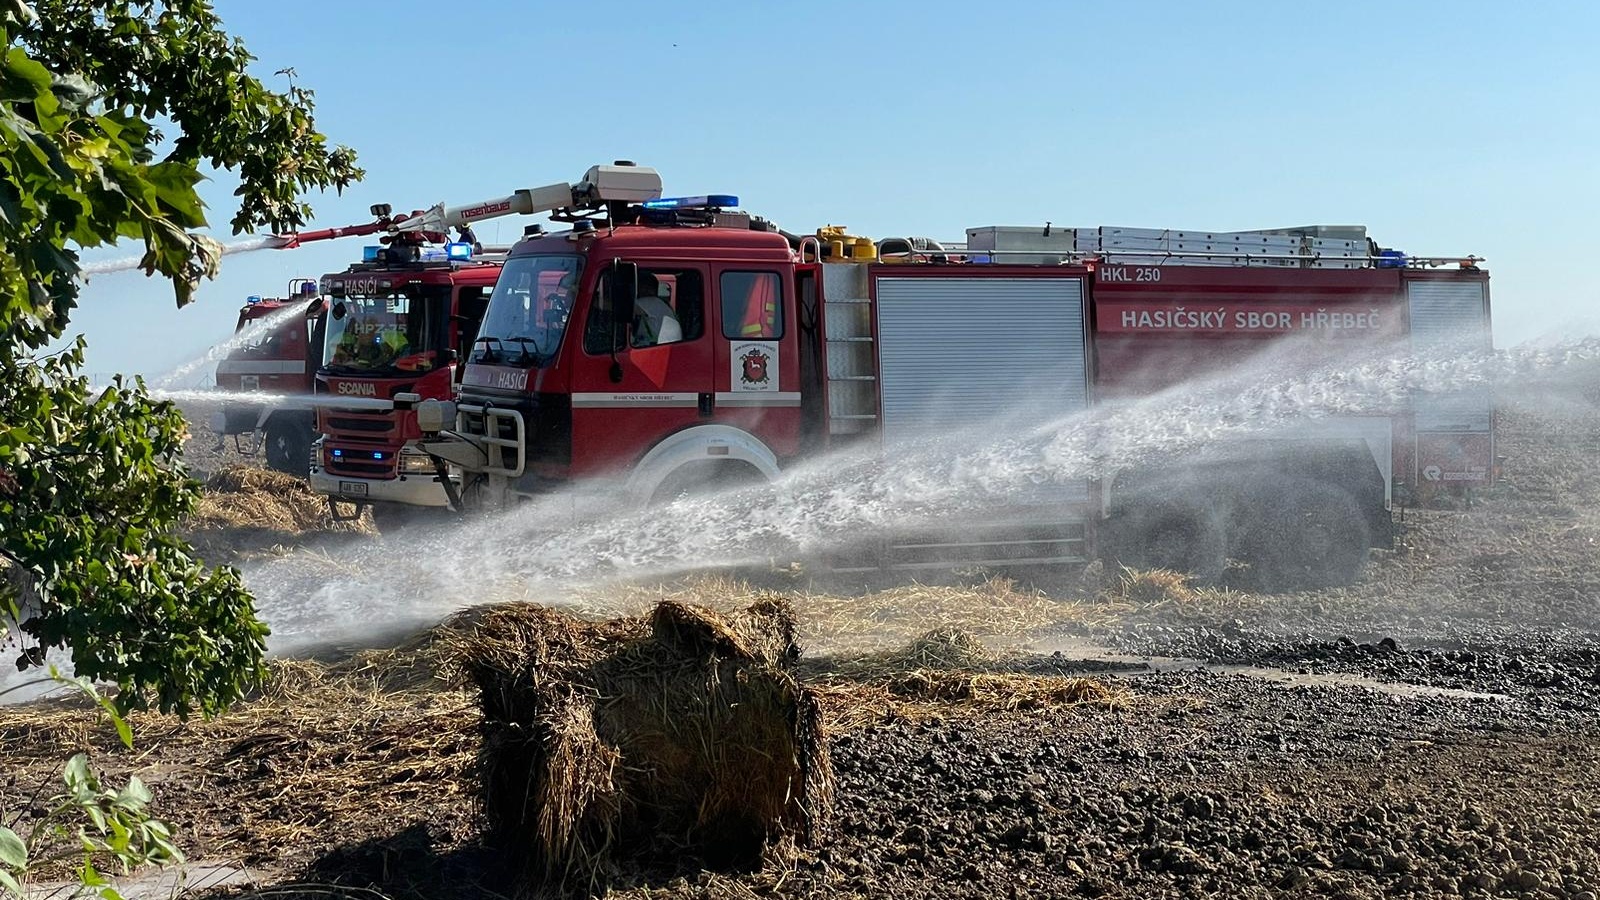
654	319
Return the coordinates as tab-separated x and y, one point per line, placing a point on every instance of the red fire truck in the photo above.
391	327
660	345
273	353
395	326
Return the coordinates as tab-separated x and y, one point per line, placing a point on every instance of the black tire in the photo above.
1180	538
1316	538
289	446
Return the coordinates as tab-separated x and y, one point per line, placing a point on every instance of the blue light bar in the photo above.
252	299
370	254
338	453
458	250
704	201
377	455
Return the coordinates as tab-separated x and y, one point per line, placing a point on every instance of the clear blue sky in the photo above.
1461	127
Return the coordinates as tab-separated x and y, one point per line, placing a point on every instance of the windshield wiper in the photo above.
535	356
488	351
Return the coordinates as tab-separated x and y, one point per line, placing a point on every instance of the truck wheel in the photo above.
1178	538
698	479
289	447
1316	539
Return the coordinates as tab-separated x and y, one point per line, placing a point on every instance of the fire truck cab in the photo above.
273	353
664	346
395	325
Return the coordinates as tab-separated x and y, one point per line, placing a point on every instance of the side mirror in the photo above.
451	357
339	310
624	289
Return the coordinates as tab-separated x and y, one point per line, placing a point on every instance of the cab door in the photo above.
757	367
635	383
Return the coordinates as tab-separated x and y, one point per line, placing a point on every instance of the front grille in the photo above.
547	417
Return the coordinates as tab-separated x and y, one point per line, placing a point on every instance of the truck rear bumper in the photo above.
413	490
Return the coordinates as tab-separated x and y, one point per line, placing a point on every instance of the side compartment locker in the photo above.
959	350
1454	430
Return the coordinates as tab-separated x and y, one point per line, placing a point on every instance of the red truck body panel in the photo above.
1185	322
275	362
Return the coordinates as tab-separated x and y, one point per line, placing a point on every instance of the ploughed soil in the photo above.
1433	731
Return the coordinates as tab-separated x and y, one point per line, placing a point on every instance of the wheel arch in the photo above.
700	443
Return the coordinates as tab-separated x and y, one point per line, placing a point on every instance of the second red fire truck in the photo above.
660	345
392	326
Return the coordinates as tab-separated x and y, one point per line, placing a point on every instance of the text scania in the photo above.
357	388
1249	320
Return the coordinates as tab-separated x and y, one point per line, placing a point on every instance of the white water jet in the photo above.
129	263
253	330
420	576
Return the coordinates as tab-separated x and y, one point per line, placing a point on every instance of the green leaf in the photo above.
135	796
120	836
10	884
77	777
174	186
21	78
13	852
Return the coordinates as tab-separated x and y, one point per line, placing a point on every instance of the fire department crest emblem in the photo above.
754	365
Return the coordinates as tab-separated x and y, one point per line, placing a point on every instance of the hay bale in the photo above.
681	734
242	499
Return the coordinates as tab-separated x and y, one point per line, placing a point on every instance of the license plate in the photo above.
353	487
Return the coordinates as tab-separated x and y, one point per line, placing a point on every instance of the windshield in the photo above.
387	334
528	311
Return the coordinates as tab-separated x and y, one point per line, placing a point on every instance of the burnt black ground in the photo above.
1232	787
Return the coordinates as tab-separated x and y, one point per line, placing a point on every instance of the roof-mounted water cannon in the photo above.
610	188
601	187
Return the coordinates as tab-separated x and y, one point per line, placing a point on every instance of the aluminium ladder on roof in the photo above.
1321	247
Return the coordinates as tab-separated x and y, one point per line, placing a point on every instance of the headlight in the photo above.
416	464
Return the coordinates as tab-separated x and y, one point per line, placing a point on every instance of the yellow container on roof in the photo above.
841	245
